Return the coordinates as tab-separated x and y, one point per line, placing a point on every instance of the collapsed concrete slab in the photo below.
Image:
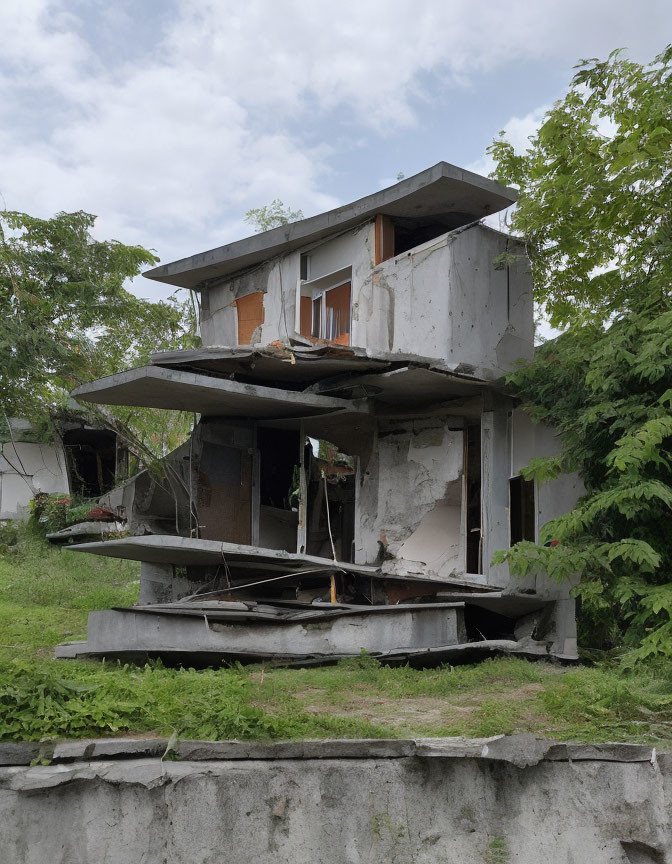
216	632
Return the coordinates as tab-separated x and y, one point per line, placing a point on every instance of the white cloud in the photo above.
171	143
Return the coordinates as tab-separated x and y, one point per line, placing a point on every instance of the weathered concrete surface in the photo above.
517	799
383	629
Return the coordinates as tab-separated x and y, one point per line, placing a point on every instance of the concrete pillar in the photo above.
564	627
158	584
495	462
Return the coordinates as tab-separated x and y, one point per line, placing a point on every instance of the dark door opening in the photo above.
330	478
279	487
521	510
91	456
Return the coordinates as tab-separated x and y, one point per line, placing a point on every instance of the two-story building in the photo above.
354	462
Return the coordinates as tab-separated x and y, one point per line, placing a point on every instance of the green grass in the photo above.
45	594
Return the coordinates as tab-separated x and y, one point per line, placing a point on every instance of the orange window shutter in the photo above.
250	310
383	239
338	300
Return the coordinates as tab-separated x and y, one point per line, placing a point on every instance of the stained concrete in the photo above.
489	801
450	297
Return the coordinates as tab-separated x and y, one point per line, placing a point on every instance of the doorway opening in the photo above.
91	457
330	483
279	487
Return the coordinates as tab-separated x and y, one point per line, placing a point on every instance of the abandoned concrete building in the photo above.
354	462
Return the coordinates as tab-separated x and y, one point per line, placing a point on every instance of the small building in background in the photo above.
355	462
77	460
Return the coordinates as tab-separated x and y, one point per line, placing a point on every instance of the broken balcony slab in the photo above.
409	390
184	633
188	551
295	366
509	605
158	387
183	551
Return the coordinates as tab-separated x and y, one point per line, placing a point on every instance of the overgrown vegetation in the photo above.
594	206
66	317
271	216
45	594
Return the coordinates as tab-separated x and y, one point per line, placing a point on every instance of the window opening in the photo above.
304	268
250	309
331	315
521	510
91	456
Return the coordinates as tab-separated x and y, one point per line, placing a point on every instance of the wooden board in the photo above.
225	494
250	310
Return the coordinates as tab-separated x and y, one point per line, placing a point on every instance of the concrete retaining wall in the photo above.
517	799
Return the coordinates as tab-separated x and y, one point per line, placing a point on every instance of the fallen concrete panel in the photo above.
86	529
158	387
127	632
169	549
339	802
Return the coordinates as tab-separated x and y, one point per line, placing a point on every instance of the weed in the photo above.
498	851
383	823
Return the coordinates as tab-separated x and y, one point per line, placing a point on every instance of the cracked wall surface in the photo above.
416	465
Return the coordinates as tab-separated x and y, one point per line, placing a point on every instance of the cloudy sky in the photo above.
169	119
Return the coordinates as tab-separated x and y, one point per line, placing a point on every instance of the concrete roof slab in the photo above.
437	191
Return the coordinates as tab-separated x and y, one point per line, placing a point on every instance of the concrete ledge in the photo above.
511	799
520	750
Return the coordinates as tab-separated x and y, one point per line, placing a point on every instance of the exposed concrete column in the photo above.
495	463
564	627
158	584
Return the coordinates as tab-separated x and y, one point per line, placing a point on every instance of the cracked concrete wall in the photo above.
277	280
356	810
532	440
416	465
448	299
45	468
445	299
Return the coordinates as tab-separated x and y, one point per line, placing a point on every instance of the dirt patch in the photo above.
415	712
412	712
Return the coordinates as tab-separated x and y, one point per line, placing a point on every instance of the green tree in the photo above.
271	216
66	318
595	209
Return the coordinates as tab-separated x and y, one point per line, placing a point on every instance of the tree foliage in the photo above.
595	208
66	318
272	216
